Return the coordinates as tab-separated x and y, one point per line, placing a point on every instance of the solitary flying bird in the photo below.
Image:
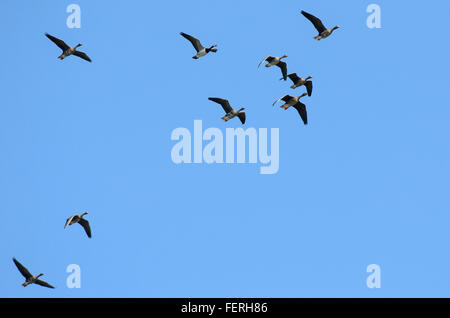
67	50
201	50
78	218
295	102
229	111
276	61
323	31
300	81
30	279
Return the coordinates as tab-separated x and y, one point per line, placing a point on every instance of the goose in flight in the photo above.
67	50
295	102
323	31
201	50
299	81
271	61
30	279
78	218
230	113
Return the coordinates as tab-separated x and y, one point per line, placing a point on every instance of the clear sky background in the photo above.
366	182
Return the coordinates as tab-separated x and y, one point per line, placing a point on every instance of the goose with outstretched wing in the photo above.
230	113
271	61
67	50
323	31
78	218
30	279
201	50
291	101
300	81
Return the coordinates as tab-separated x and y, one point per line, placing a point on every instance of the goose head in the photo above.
284	56
84	213
302	95
78	45
213	48
335	28
241	109
41	274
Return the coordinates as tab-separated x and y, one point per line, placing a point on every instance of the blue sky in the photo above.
366	182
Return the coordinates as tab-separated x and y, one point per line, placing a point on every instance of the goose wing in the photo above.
301	108
195	42
85	224
315	21
242	117
60	43
223	102
268	59
294	78
283	67
82	55
309	87
43	283
285	98
68	221
22	269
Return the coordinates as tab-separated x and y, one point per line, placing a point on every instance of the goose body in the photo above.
230	113
271	61
300	81
201	50
323	31
67	50
30	279
78	218
291	101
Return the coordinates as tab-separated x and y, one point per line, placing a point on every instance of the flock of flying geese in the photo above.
31	279
230	113
289	101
